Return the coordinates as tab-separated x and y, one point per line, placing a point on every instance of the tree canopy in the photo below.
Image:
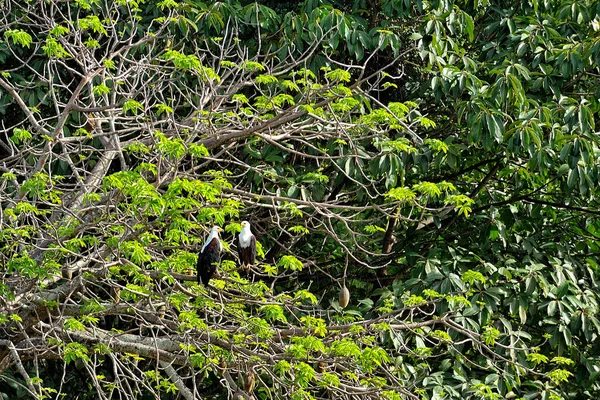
435	161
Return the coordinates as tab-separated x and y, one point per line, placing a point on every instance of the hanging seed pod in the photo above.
238	395
344	298
222	365
161	311
249	381
115	293
66	272
320	367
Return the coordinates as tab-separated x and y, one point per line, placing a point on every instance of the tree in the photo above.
429	157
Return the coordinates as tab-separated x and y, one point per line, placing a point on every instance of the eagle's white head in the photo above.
245	234
214	233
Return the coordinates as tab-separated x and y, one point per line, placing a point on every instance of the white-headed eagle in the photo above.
210	256
247	246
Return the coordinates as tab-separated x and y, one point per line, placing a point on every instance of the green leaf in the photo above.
133	106
562	289
18	36
290	262
572	178
495	126
20	135
53	48
563	170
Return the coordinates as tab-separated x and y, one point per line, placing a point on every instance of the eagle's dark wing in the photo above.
207	261
248	254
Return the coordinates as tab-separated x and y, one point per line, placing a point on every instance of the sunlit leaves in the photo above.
75	351
140	148
261	328
537	358
189	62
163	109
471	277
490	335
198	150
85	4
462	203
274	313
456	301
132	106
501	122
317	325
414	301
401	145
428	188
92	22
92	306
265	79
20	135
304	374
436	145
373	229
172	148
282	99
18	36
101	89
338	75
26	266
328	380
252	66
485	392
440	335
167	4
39	186
208	74
432	294
298	229
391	395
109	64
290	85
403	194
241	98
59	30
228	64
190	320
92	44
263	103
14	317
290	262
560	375
345	347
7	176
282	367
345	105
562	361
136	252
73	324
372	357
158	381
53	48
306	295
304	74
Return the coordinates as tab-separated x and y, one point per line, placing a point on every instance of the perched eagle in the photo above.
247	246
209	256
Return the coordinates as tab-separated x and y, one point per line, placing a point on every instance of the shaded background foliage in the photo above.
485	218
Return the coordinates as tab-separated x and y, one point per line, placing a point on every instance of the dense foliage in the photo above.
437	159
